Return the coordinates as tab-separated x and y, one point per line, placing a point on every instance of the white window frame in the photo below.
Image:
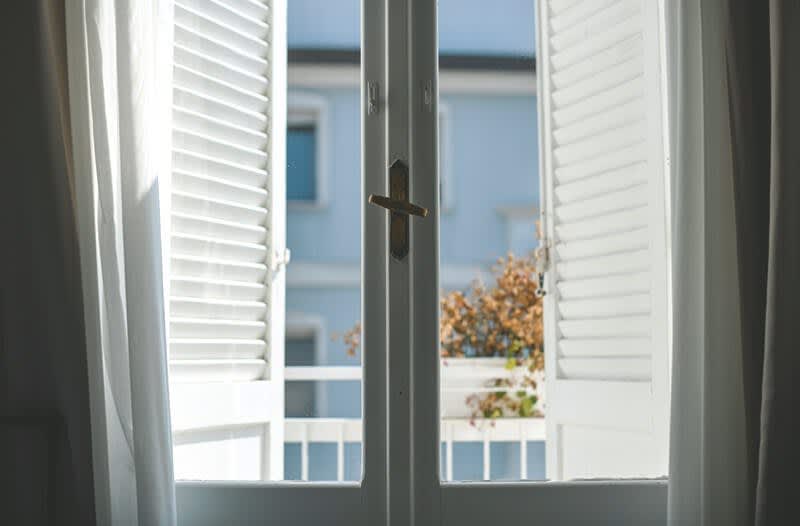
401	483
436	502
346	503
304	108
446	173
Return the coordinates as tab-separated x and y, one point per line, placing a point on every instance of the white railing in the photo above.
339	431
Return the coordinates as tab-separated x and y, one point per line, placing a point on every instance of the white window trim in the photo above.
310	108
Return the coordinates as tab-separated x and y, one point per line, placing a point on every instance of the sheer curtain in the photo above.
736	239
119	66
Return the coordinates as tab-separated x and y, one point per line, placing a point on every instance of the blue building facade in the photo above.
489	187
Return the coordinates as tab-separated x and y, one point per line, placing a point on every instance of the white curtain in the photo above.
707	482
119	67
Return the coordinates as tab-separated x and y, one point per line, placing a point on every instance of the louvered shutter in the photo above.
604	201
227	238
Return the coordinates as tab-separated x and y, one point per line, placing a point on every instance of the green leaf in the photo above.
526	406
511	363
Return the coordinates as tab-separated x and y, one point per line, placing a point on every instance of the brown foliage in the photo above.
502	320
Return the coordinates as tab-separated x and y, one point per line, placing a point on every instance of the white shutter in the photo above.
602	112
227	237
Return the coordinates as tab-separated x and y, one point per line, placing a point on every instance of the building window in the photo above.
305	150
301	162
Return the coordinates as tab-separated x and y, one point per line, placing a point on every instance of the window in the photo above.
306	147
243	389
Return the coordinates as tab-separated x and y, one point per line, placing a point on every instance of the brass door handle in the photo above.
397	203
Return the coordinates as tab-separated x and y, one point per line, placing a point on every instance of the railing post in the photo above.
487	456
304	453
448	436
340	453
523	450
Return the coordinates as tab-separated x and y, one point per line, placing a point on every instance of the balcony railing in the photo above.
339	431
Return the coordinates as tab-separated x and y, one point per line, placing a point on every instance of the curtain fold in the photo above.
119	85
762	46
736	239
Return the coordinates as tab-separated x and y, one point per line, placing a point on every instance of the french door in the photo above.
400	217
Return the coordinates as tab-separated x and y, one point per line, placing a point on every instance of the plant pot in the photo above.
464	377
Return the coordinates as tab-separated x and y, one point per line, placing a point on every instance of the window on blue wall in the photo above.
301	162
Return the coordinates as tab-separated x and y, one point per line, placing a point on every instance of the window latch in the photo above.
400	207
541	261
280	259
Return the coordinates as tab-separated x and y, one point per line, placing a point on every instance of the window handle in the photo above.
398	204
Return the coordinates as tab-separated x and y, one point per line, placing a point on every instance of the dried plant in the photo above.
501	320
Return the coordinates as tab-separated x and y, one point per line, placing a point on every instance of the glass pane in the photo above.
601	411
262	409
492	417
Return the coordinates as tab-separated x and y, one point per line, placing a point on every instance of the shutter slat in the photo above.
578	13
247	137
606	287
599	62
603	245
607	100
604	308
190	161
219	69
594	23
252	8
217	228
198	141
603	80
231	15
602	183
613	160
625	221
215	88
559	6
220	50
217	288
624	263
189	245
226	210
614	369
205	185
209	348
232	270
604	348
193	100
576	50
615	118
229	370
215	328
187	307
218	30
592	147
622	327
627	199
